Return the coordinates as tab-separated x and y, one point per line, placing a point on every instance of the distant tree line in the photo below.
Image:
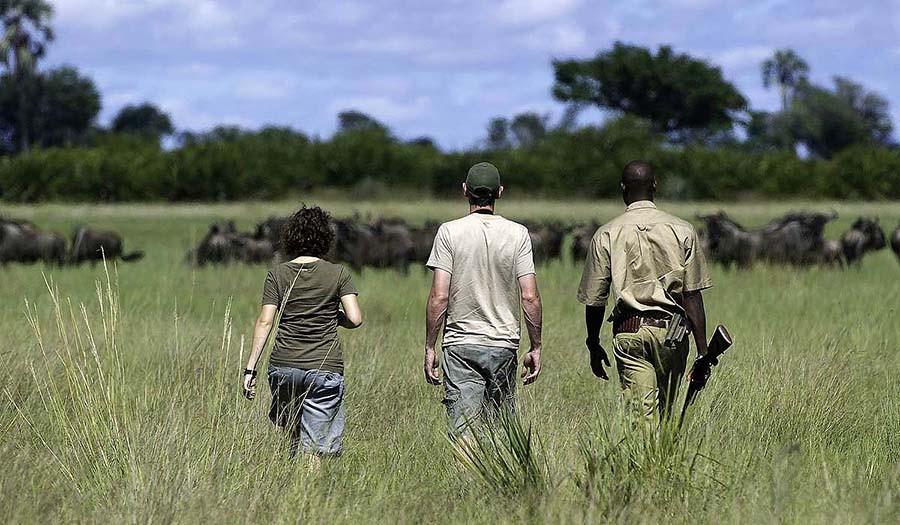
673	109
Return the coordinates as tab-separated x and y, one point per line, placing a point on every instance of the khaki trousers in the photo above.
649	372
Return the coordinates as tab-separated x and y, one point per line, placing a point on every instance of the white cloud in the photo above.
526	12
264	86
384	108
563	37
737	58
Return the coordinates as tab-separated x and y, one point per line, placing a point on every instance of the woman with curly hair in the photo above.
313	298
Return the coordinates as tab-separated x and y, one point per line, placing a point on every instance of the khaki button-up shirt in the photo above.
647	257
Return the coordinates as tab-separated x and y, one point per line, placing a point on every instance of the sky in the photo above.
437	68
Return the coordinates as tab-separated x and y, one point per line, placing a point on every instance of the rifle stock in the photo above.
719	342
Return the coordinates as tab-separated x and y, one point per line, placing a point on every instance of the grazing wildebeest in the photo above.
581	241
895	241
96	245
253	250
23	242
728	242
384	245
423	240
220	245
270	229
864	236
546	240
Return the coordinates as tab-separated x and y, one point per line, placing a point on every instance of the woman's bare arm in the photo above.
351	316
261	331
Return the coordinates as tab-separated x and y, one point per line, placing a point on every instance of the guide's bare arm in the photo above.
435	313
350	317
593	321
696	314
261	331
531	306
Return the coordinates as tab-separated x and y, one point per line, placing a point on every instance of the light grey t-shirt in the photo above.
485	255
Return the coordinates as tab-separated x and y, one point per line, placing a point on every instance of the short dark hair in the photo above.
481	199
307	232
638	176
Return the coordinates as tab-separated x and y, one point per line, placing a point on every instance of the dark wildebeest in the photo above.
97	245
864	236
895	241
423	240
220	245
270	229
581	241
728	242
384	245
254	250
21	241
546	240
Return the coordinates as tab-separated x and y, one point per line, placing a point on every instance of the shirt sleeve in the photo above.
441	257
595	279
346	286
271	295
525	257
696	271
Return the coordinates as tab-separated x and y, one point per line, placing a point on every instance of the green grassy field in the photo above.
121	401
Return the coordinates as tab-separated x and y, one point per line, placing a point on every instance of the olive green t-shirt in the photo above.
307	336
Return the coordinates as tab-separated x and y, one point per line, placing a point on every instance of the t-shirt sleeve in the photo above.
271	295
696	271
441	257
525	257
595	279
346	286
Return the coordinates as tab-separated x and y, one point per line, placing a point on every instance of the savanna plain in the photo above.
121	398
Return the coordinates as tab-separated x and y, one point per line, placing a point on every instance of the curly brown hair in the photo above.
307	233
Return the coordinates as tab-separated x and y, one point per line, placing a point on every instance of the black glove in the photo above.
598	359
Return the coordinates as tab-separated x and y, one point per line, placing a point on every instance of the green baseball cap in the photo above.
483	179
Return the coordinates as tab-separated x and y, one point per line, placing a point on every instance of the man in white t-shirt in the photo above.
483	278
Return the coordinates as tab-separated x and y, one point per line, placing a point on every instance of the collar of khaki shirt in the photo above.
640	205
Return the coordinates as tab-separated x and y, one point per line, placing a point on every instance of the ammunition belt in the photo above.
630	324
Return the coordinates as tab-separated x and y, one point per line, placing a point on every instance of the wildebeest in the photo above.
796	239
96	245
895	241
423	240
270	229
23	242
220	245
581	241
865	235
546	240
383	245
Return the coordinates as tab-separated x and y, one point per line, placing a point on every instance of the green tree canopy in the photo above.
828	121
675	92
353	120
498	134
528	128
145	120
61	107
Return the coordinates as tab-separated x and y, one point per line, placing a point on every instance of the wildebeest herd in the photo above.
796	239
23	242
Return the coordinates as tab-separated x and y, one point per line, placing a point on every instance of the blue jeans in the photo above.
309	403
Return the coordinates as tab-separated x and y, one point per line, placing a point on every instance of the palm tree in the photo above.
26	33
786	69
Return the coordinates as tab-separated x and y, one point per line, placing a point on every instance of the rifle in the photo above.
718	344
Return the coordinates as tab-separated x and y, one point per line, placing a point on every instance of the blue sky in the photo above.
437	68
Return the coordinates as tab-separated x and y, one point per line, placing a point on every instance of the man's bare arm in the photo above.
534	315
435	314
696	314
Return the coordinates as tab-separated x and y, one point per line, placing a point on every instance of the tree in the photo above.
353	120
528	128
498	134
828	121
26	33
145	120
675	92
787	70
61	108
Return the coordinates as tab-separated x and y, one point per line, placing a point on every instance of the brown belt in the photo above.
630	324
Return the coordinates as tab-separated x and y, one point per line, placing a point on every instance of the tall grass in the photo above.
122	402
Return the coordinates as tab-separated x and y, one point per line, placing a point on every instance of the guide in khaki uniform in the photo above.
654	264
